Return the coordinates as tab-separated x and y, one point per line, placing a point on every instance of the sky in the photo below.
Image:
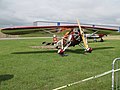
25	12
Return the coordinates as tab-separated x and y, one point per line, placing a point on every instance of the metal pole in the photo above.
113	72
119	29
117	76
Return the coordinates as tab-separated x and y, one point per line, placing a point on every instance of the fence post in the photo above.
119	29
113	68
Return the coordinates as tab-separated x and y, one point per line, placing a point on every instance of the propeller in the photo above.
87	49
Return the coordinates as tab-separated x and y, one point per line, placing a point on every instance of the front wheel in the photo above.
89	50
60	51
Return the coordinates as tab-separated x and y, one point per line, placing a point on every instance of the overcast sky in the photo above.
24	12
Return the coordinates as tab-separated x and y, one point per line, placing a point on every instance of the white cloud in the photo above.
24	12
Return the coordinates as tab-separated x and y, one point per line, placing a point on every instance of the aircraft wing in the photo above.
31	29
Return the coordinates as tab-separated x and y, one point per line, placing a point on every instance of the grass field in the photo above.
26	68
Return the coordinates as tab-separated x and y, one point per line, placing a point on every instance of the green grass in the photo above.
25	68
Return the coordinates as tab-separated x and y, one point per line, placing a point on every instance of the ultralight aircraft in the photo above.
74	36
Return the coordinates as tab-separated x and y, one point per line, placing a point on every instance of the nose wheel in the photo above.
89	50
61	52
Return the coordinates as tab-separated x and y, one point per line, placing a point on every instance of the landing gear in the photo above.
89	50
61	52
101	40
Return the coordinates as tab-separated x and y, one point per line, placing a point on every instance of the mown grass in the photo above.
26	68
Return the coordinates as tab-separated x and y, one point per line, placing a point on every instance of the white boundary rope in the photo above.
87	79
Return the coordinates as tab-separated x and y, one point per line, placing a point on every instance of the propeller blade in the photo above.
82	35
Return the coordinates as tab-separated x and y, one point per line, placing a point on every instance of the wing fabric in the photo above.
32	29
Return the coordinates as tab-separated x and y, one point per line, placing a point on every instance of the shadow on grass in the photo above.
5	77
77	51
34	52
102	48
